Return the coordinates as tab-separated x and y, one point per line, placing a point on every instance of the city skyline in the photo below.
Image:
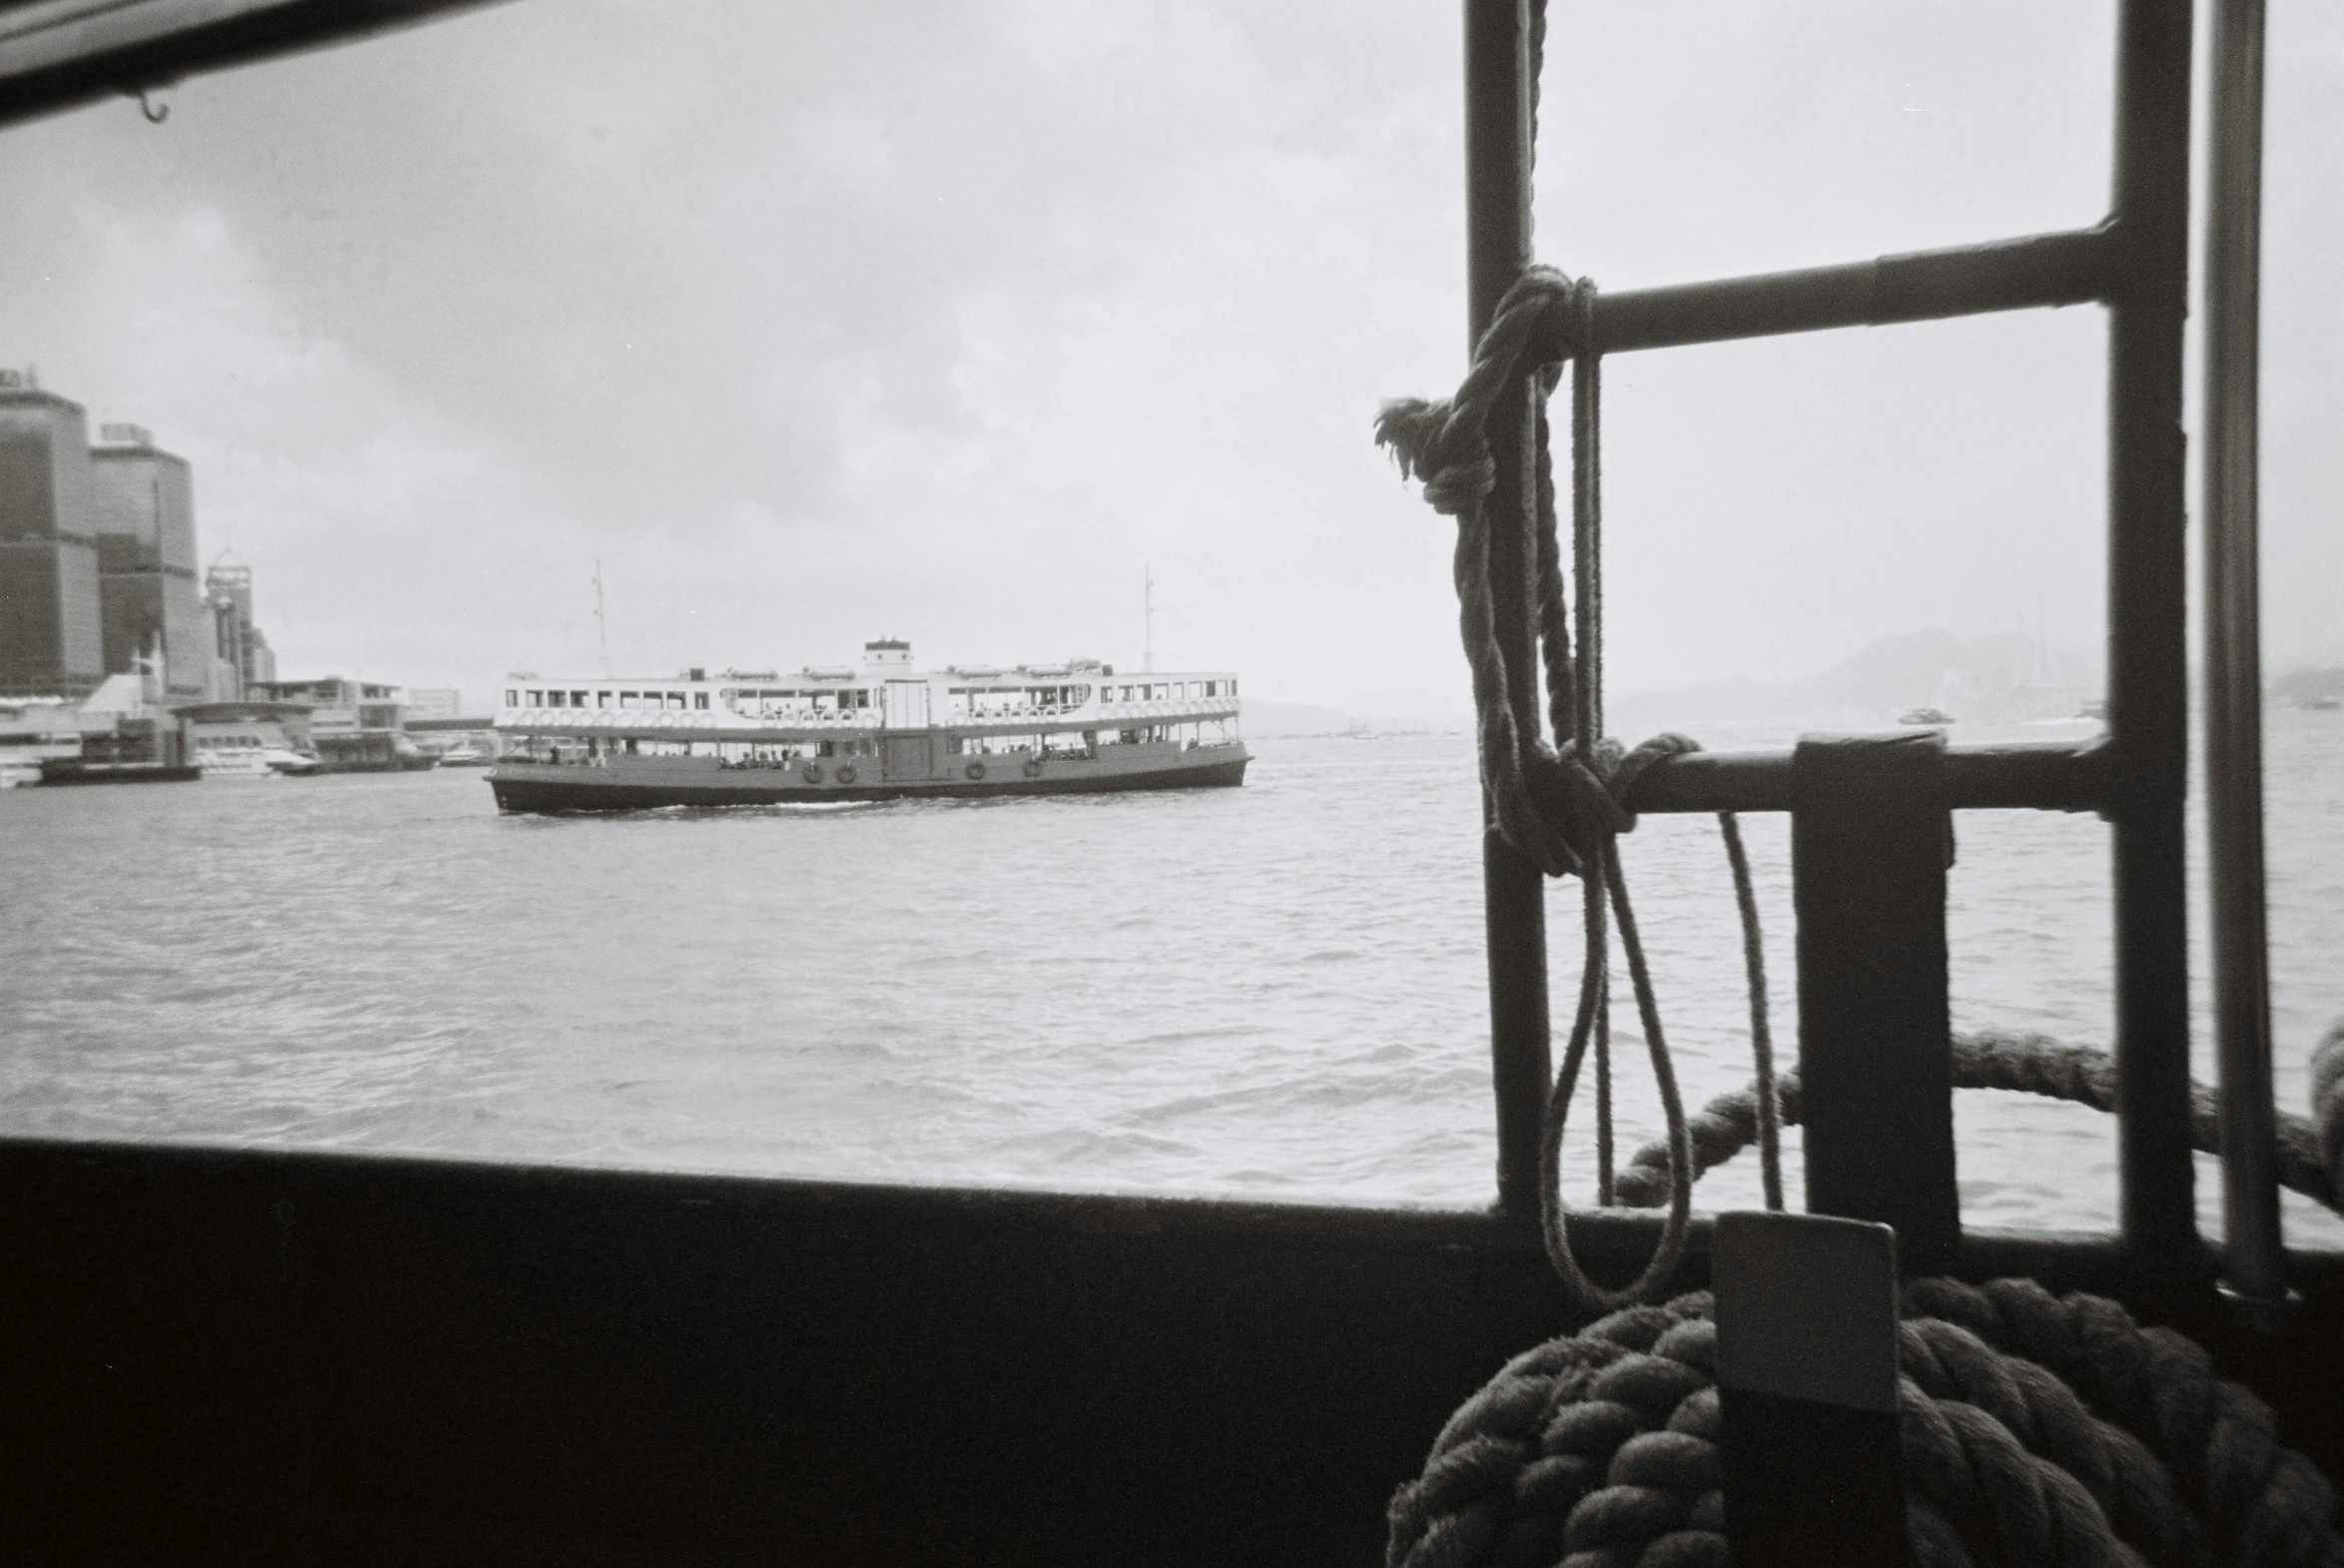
99	562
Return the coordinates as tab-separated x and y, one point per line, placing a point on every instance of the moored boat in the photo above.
35	730
884	731
252	740
369	751
243	757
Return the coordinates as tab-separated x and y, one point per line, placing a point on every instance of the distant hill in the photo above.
1271	720
2309	685
2002	679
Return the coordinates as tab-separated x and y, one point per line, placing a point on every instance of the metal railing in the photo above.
2136	265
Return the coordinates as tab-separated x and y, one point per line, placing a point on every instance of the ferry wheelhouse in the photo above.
879	731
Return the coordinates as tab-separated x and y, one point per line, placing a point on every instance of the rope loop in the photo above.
1563	804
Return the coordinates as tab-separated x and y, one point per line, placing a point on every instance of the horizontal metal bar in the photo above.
2075	267
2042	777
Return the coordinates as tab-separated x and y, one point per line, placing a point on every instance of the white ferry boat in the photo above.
249	757
880	732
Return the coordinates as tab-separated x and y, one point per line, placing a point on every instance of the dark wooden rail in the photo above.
223	1356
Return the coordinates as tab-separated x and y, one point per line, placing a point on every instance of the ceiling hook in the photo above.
155	108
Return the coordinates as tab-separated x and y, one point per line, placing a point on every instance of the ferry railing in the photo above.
2134	264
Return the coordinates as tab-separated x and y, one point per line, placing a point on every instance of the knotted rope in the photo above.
2035	1430
1560	804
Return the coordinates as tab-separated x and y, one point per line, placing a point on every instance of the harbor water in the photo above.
1274	990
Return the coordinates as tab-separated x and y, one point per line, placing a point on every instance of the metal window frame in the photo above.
2134	263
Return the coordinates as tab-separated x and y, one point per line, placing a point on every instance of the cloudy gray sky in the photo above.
816	323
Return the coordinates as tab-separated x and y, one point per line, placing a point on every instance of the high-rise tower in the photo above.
51	642
239	644
147	589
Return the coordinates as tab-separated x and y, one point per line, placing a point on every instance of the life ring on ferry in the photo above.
975	771
813	772
846	775
1033	767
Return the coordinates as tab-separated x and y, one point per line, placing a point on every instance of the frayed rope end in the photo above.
1410	429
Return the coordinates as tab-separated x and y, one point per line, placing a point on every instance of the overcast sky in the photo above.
818	323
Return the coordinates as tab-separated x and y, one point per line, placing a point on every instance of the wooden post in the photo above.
1869	843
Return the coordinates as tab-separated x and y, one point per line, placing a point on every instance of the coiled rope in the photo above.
2311	1149
2327	1111
2035	1429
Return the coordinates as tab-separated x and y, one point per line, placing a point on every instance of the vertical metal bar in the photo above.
2147	694
2255	1271
1497	237
1869	838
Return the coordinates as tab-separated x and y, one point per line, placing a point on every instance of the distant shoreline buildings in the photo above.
98	563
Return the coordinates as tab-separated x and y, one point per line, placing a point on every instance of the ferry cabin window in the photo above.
700	699
536	699
577	699
511	698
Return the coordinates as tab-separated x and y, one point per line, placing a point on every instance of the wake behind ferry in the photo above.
881	732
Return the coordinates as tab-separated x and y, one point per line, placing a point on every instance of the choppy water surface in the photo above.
1274	990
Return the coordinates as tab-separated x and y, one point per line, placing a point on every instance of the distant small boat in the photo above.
1925	716
369	751
2323	704
2093	710
251	760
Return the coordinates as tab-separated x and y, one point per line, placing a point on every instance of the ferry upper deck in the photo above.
885	693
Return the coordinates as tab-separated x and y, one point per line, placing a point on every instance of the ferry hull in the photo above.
76	772
647	785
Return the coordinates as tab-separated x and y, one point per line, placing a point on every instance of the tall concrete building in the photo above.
241	650
51	636
435	702
147	590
